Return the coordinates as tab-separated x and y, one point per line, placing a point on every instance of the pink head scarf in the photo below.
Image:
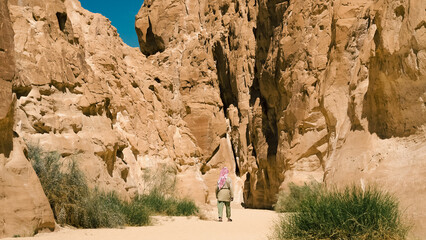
222	179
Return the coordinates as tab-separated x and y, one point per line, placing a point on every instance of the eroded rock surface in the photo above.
24	208
297	80
84	93
278	91
7	72
210	52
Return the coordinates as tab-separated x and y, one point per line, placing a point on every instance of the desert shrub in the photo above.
289	201
154	201
161	181
65	188
74	203
136	213
186	207
160	197
348	214
103	209
162	204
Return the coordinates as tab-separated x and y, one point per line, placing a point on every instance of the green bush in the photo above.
186	207
160	198
65	188
289	201
348	214
161	204
103	210
73	203
157	203
136	213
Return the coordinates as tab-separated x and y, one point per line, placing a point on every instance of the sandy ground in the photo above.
247	224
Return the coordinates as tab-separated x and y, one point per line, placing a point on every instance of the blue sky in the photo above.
121	13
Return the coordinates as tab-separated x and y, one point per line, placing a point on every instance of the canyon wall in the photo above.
209	50
80	91
332	91
7	72
24	208
85	94
278	91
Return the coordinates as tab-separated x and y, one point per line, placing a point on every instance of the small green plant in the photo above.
346	215
289	201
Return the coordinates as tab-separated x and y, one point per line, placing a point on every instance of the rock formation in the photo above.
303	84
7	72
278	91
210	52
24	208
84	93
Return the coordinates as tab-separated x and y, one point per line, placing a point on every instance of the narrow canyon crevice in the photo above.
226	87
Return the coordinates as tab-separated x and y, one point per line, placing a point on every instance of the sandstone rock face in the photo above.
7	71
210	52
337	68
395	164
297	81
328	71
278	91
24	209
85	94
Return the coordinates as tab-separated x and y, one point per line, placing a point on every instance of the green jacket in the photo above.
226	194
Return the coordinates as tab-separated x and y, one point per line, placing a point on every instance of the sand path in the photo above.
248	224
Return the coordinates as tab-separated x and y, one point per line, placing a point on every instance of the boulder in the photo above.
25	209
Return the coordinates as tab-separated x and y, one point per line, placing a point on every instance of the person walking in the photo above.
224	194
